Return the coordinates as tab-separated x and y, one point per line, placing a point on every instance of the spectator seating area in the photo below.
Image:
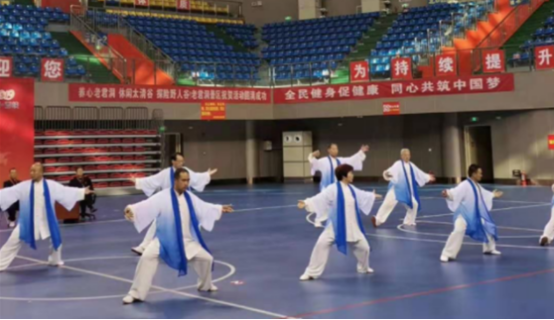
196	49
313	45
542	36
409	34
109	158
23	37
195	6
242	33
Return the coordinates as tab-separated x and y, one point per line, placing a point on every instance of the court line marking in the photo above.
493	210
401	228
499	227
424	293
179	293
64	299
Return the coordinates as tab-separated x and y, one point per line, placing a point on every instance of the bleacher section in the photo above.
416	32
314	46
543	35
195	6
243	33
23	37
196	49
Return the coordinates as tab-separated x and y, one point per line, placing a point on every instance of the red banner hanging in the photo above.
551	142
445	65
391	108
183	4
401	68
142	3
393	89
6	67
493	61
359	71
544	57
52	70
82	92
213	111
17	132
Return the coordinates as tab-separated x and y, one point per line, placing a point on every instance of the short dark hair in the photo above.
175	155
331	145
77	169
342	171
178	172
472	169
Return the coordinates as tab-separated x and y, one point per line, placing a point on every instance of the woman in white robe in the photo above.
340	203
327	165
548	234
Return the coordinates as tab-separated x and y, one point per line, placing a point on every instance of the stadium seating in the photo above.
195	6
313	46
22	37
542	36
197	50
242	33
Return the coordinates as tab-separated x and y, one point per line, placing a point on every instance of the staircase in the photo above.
528	28
98	73
363	49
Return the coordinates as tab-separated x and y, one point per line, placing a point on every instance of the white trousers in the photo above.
456	239
150	235
388	205
323	246
11	248
148	264
549	228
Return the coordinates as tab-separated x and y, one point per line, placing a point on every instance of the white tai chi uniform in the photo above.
549	228
327	165
34	222
402	189
160	181
325	205
197	255
471	217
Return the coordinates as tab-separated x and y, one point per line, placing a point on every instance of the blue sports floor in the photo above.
263	248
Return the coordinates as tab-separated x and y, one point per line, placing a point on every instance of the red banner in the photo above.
183	4
6	67
551	142
82	92
213	111
393	89
17	132
142	3
401	68
391	108
493	61
544	57
52	70
445	65
359	71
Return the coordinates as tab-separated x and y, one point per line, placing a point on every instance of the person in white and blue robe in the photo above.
548	234
471	204
164	180
405	179
327	165
178	242
37	216
341	204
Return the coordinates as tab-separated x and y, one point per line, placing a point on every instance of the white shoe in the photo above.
444	259
306	277
544	241
128	299
318	224
138	250
11	224
366	271
493	252
409	224
213	288
55	264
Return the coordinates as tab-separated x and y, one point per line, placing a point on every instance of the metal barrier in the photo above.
85	118
201	8
137	117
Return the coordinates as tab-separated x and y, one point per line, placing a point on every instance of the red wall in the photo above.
62	4
17	129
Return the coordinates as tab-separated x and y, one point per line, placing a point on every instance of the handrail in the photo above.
499	25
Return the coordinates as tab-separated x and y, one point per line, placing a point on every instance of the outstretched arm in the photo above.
9	196
199	181
143	213
356	160
67	196
150	184
208	213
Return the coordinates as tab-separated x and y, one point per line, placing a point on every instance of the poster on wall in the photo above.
551	142
213	111
391	108
17	132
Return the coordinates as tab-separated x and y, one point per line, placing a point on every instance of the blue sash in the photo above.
29	236
475	229
172	177
340	225
182	264
332	177
405	196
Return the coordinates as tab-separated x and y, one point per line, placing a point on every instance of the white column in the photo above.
308	9
251	152
371	6
452	147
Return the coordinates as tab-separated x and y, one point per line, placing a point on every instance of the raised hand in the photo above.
212	171
316	154
133	180
365	148
432	177
129	215
301	204
444	193
227	209
497	194
377	196
388	175
88	191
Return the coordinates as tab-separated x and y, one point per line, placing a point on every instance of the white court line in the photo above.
493	210
499	227
265	208
184	294
401	228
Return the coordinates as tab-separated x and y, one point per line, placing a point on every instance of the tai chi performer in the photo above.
548	234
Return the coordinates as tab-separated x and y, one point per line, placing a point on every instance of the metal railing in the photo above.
201	8
114	61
